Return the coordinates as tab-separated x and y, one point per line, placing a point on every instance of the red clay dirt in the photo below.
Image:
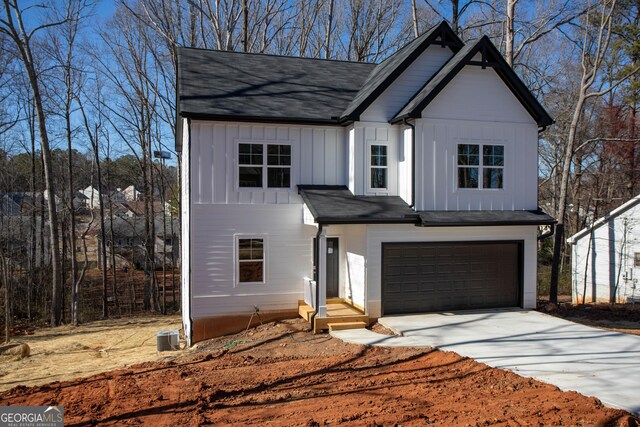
278	374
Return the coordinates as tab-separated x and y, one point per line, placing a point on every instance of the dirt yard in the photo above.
277	374
620	318
68	352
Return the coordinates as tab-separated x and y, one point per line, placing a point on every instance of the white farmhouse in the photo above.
349	191
605	257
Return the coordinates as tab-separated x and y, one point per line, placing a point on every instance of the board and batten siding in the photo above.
318	157
476	107
436	165
185	228
288	257
378	234
387	105
360	139
603	258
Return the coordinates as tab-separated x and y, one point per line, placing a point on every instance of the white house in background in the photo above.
131	194
411	185
605	257
92	195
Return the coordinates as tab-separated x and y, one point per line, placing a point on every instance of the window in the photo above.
379	165
253	165
250	162
636	259
250	260
472	166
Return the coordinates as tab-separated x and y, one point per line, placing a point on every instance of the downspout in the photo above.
315	278
413	163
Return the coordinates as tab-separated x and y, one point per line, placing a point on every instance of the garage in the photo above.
421	277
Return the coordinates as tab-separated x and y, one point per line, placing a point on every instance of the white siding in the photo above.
365	134
405	165
185	242
385	107
288	256
477	94
602	259
436	165
377	234
355	264
318	157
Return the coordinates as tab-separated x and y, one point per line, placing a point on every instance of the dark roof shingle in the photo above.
335	204
222	84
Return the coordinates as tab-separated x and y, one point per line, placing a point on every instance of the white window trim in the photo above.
264	166
369	167
236	259
480	166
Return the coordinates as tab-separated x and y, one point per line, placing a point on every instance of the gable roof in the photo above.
213	84
244	86
605	219
491	57
388	70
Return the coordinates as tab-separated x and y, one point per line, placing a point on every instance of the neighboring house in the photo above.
92	195
8	206
605	257
118	196
129	238
410	184
80	200
131	194
136	209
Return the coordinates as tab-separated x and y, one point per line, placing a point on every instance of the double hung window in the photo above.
480	166
264	165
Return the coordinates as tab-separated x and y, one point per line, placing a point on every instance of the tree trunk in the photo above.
414	16
21	40
327	40
510	33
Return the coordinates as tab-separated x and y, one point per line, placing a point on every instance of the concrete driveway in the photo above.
591	361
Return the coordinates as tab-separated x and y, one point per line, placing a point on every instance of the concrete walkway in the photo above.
591	361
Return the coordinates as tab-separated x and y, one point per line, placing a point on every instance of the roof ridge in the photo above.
235	52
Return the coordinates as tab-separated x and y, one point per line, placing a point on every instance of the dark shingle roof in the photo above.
389	69
413	109
473	218
335	204
232	85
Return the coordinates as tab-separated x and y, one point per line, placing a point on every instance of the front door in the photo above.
333	266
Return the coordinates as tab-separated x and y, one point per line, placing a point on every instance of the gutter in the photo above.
316	277
413	162
548	234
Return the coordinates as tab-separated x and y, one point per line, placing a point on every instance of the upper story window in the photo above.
255	169
379	164
250	262
636	259
480	166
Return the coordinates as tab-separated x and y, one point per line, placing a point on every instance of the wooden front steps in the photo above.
341	315
346	325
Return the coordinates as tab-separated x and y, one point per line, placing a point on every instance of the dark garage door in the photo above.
422	277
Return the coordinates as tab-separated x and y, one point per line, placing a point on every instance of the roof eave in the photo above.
604	219
262	119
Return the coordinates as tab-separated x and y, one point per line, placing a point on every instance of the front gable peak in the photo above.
385	73
481	53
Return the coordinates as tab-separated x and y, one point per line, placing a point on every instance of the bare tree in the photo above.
12	24
594	47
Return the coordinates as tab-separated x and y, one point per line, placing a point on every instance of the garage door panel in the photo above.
450	276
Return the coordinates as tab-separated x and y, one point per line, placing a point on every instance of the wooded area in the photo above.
88	100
